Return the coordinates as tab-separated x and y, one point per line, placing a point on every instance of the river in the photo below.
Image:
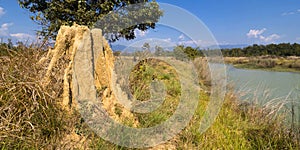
266	87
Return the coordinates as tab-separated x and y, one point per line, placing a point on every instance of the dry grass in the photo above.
31	116
289	64
27	110
202	68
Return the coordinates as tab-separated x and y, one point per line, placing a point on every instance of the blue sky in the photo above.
230	21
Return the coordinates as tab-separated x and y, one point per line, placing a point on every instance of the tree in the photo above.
191	52
158	51
282	49
146	47
179	53
51	14
10	45
145	53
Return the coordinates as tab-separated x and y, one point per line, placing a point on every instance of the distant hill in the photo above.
227	46
119	47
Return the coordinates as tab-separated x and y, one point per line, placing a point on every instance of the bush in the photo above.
265	63
202	68
296	64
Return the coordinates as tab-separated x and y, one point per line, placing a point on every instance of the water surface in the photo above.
264	86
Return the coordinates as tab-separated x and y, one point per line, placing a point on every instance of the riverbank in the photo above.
31	117
268	63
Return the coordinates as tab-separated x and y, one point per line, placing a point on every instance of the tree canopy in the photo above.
51	14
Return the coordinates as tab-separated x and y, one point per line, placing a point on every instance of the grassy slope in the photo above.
30	117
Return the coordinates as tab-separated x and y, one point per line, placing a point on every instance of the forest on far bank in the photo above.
255	50
282	49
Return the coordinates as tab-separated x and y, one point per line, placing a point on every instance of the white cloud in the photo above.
181	37
2	12
4	29
22	36
270	38
291	13
191	42
200	43
140	33
258	34
255	33
288	13
167	40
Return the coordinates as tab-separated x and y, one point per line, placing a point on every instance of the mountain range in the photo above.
119	47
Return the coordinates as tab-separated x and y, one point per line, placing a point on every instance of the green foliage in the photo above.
51	14
191	52
7	49
148	71
283	49
235	128
4	50
179	53
186	53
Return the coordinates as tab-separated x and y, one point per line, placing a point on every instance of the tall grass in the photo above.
201	65
242	124
151	70
238	126
32	118
29	115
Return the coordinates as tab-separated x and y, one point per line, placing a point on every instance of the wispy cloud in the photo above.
22	36
4	29
270	38
201	43
181	37
167	40
2	12
165	43
258	34
291	13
